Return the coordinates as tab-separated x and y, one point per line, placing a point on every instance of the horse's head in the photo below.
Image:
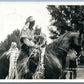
70	40
77	40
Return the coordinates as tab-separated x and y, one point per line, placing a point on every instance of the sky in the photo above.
13	16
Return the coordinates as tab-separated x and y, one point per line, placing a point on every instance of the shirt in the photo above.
13	53
27	33
40	39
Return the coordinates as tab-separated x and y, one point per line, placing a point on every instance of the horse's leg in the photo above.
75	71
74	74
51	73
63	76
71	74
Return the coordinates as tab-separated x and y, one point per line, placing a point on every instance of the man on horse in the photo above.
40	40
29	49
27	35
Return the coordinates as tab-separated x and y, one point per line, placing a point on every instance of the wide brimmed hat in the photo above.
30	19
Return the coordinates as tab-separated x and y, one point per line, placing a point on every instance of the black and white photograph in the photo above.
41	40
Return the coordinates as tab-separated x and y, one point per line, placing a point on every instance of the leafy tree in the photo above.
14	37
66	18
4	46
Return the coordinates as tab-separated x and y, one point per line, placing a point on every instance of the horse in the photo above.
56	52
4	66
27	64
54	57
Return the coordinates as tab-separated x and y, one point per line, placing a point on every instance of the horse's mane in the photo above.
60	40
67	34
57	41
62	37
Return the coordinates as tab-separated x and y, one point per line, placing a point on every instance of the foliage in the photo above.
4	46
66	18
14	37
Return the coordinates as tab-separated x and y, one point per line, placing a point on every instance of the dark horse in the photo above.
54	58
56	52
27	64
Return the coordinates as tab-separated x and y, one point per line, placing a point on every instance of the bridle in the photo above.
62	49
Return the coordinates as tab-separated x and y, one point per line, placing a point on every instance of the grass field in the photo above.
80	72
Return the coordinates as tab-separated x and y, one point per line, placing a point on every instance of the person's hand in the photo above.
28	42
36	46
5	53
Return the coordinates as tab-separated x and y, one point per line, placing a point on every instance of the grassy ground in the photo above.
80	72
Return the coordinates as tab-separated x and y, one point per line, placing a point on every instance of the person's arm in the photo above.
29	42
44	41
6	53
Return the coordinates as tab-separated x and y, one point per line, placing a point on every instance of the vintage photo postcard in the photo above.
42	41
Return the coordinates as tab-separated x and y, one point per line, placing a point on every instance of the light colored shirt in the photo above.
27	33
13	56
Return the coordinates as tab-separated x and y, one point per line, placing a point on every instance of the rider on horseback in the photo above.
40	40
27	35
27	46
30	46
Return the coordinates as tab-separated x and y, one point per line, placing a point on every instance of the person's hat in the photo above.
30	19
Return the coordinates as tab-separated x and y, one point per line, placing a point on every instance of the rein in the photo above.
62	49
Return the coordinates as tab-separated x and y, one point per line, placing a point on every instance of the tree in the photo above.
14	37
4	46
66	18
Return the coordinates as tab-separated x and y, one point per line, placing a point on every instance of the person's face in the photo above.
13	45
27	24
38	31
32	23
